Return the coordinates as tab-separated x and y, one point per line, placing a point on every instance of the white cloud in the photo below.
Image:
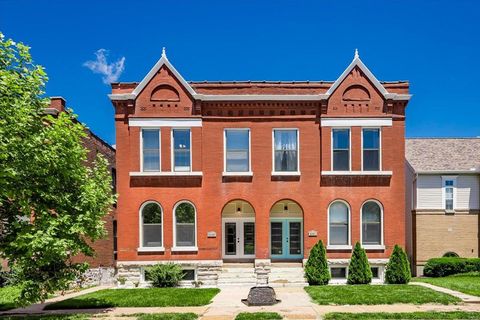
110	72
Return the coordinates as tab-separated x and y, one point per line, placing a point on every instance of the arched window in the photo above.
185	225
152	231
371	223
339	224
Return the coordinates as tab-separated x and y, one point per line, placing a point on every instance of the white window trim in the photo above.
356	122
347	246
380	246
172	147
159	148
141	248
239	173
189	248
379	149
349	148
164	122
286	173
454	179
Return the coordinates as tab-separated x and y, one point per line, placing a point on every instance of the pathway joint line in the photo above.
467	298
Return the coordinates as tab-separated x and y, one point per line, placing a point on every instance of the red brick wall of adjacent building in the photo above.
355	97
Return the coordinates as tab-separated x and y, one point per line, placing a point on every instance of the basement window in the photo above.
338	272
189	275
375	272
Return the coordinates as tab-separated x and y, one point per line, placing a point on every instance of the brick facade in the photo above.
261	107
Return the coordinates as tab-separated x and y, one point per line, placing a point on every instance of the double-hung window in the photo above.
181	150
237	150
449	185
341	149
371	149
150	149
285	146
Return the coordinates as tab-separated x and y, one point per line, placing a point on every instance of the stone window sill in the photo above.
286	173
237	174
167	174
151	249
339	247
184	249
373	247
357	173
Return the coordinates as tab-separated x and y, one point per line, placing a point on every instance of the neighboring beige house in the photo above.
443	176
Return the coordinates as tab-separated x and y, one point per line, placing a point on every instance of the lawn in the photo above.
7	297
258	316
50	317
141	316
152	297
377	294
412	315
468	283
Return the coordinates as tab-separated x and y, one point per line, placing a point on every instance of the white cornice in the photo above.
261	97
356	122
165	122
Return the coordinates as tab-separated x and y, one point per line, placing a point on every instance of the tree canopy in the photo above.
52	200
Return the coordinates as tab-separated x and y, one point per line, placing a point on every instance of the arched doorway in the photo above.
238	231
286	231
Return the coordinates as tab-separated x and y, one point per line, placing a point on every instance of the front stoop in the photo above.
237	274
287	275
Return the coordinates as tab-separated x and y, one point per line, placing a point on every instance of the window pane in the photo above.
338	273
341	160
338	230
152	225
371	160
185	225
237	153
371	138
341	138
371	223
449	204
341	149
181	143
286	149
151	150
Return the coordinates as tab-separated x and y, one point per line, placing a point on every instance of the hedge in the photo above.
441	267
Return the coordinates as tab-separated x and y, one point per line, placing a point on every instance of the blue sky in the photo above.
433	44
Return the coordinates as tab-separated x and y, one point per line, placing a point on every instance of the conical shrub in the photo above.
359	271
398	267
316	268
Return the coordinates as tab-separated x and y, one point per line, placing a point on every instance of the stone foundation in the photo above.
206	272
100	276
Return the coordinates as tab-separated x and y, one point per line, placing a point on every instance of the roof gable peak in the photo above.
357	62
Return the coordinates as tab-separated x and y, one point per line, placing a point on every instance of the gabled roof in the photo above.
357	62
259	97
443	155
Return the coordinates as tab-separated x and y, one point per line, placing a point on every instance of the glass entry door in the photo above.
238	238
286	239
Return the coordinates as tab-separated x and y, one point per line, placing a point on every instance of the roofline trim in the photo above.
476	171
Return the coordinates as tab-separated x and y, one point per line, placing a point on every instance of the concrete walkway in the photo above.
463	296
295	304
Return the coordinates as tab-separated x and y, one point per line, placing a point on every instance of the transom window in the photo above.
181	150
151	215
339	229
371	149
285	150
237	150
341	149
371	223
150	150
185	229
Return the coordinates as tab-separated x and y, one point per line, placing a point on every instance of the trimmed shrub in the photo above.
359	271
398	267
316	268
164	275
441	267
450	254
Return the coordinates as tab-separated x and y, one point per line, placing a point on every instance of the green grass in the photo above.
468	283
412	315
258	316
7	297
141	316
50	317
377	294
152	297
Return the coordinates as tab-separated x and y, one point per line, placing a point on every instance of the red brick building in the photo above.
211	173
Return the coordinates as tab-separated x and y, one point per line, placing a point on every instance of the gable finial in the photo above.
356	54
164	54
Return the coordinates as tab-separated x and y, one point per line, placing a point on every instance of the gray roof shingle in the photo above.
443	154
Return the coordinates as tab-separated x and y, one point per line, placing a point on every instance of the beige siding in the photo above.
468	192
429	192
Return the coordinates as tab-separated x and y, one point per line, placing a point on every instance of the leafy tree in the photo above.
51	202
359	271
316	268
398	267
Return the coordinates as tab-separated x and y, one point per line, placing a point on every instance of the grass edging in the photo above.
403	315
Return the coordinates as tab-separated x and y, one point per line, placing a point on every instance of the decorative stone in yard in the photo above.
261	296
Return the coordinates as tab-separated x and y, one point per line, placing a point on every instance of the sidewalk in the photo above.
465	297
